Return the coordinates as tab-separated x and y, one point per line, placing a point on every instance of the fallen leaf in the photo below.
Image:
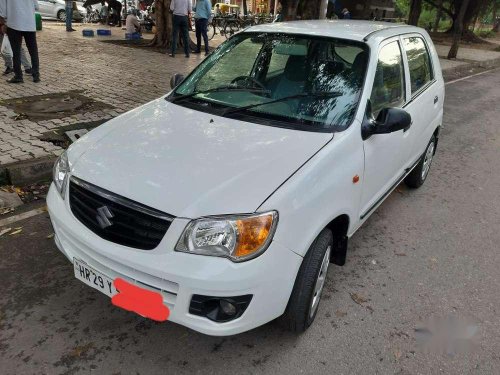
358	299
397	354
340	314
50	235
3	231
6	210
400	254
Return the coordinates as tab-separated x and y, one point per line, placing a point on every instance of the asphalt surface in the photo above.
426	258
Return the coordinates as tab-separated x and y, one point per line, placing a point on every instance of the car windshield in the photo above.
303	82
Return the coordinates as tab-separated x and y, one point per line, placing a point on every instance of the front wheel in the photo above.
417	176
306	295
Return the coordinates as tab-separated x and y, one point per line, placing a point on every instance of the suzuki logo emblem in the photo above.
103	216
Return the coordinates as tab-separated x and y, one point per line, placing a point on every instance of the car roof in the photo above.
344	29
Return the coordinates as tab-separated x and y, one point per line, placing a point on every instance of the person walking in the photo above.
69	15
180	9
203	13
9	66
17	19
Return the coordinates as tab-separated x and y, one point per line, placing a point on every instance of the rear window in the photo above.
419	63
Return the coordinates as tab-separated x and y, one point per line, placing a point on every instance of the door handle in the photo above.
436	99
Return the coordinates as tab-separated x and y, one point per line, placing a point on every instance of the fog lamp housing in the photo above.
219	309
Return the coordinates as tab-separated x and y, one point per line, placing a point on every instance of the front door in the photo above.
385	154
46	8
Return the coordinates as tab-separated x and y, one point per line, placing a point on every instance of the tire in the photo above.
211	32
230	29
417	176
61	15
305	298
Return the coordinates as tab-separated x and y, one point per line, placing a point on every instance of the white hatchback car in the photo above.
56	9
231	195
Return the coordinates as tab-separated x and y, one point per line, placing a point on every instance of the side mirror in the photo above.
175	80
389	120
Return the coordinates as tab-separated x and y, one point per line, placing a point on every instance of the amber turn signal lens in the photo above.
252	234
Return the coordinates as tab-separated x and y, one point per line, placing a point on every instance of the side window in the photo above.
388	87
419	63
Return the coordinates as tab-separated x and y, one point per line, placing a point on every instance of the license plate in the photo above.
93	278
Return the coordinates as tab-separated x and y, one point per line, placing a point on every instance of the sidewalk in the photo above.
467	59
119	78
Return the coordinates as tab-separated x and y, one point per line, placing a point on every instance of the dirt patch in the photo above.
53	106
140	43
447	38
143	44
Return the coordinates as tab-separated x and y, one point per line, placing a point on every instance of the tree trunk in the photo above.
164	27
309	9
415	10
439	14
457	32
496	23
289	9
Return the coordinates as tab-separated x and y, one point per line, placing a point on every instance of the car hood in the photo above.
189	163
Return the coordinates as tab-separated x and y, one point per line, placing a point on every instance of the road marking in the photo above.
22	216
474	75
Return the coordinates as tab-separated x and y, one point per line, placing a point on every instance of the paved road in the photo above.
426	254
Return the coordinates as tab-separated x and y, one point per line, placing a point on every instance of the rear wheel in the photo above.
61	15
417	176
306	295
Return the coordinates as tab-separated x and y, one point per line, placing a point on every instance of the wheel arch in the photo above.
339	227
436	134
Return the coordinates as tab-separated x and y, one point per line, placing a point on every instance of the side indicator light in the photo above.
355	179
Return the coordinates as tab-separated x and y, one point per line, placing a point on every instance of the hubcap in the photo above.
320	281
427	160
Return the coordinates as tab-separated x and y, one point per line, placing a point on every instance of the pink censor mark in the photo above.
141	301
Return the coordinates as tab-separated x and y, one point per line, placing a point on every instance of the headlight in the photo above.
237	237
60	172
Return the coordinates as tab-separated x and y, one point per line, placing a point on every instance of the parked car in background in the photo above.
56	10
228	198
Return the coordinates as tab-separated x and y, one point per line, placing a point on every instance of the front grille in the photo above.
115	218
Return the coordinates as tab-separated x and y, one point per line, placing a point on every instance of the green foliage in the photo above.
402	8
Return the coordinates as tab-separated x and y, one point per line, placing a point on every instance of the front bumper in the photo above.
177	276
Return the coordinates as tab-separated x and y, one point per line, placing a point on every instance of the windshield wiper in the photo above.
319	94
219	89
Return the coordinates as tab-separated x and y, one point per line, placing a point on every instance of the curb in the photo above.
27	171
35	170
469	68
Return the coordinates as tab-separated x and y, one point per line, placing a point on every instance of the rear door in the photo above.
426	93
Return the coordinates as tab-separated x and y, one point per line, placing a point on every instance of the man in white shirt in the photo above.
132	24
181	9
17	19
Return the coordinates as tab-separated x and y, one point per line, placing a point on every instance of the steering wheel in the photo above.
255	81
